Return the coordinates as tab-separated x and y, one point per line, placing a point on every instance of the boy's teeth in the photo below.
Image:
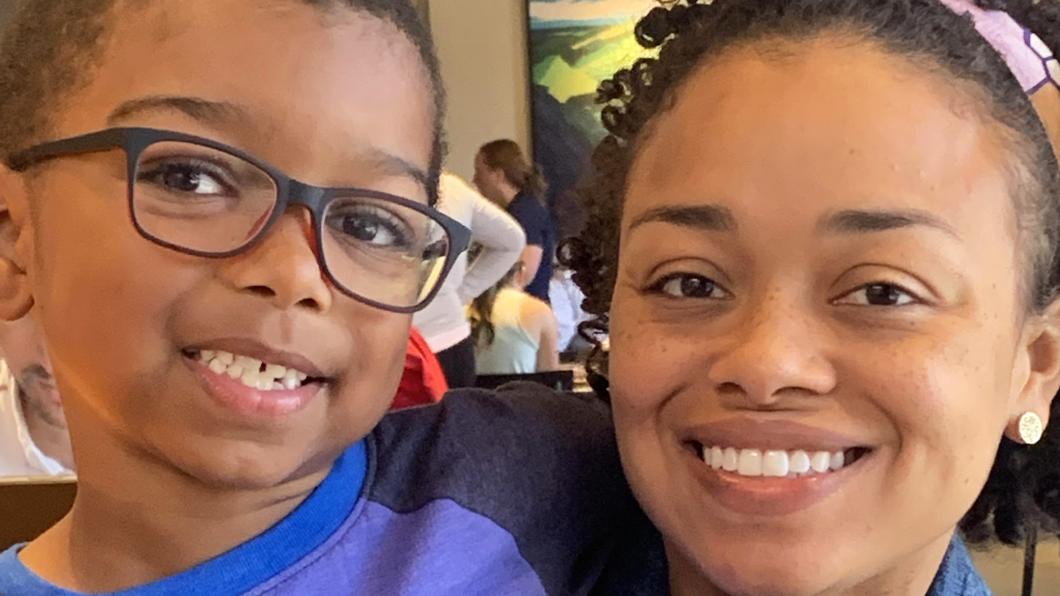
773	463
251	372
217	366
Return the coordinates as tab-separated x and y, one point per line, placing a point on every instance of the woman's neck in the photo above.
169	523
508	192
912	575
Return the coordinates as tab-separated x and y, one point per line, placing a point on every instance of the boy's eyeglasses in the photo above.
204	198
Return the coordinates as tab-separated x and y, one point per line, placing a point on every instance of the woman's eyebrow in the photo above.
708	218
715	218
865	221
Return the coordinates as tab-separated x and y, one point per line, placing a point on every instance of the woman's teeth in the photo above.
775	464
252	372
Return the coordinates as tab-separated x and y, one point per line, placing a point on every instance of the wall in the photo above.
482	47
423	8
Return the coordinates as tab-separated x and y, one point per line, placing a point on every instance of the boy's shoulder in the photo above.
522	434
540	467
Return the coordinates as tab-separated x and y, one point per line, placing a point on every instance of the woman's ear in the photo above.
1039	366
16	298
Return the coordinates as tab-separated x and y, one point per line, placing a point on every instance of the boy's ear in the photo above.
16	298
1039	365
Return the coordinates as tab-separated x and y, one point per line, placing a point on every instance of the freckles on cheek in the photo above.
644	371
943	393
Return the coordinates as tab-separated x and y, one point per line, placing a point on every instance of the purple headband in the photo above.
1029	59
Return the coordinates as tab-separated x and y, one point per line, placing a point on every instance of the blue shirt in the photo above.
957	575
533	216
515	492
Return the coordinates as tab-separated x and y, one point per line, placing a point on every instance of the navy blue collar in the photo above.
519	196
250	564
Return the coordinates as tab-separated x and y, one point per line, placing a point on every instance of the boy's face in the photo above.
319	95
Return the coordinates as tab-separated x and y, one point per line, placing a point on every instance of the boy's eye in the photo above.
684	285
187	178
371	225
879	294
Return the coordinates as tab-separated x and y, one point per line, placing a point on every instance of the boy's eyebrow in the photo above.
204	110
392	165
222	113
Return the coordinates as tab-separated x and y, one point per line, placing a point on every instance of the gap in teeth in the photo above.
776	463
252	372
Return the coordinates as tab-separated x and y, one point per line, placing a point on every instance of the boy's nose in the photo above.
284	267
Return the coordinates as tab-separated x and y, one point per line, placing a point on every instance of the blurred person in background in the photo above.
500	243
514	333
34	440
566	300
505	176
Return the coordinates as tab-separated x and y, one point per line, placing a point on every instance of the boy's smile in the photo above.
269	383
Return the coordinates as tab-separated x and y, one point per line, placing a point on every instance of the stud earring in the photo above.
1030	427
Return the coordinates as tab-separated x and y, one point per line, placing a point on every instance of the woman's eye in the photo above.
689	286
879	294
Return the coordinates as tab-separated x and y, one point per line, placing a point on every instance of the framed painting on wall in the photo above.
573	45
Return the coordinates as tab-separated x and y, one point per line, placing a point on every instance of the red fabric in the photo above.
423	381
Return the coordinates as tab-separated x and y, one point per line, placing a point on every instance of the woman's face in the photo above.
129	323
487	180
818	282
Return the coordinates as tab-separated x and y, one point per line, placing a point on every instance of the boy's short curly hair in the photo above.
50	48
1023	489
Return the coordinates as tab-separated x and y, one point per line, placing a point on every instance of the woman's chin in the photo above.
753	574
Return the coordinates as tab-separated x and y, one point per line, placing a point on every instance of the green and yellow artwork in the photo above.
574	45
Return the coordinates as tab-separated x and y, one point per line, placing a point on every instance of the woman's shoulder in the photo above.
531	308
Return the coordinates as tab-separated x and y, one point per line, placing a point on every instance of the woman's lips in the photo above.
771	468
748	433
771	496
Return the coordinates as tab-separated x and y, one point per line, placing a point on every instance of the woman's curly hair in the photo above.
1023	490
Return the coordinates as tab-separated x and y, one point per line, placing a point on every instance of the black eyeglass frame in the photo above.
289	191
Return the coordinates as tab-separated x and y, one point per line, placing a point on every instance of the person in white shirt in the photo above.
501	241
566	300
34	440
